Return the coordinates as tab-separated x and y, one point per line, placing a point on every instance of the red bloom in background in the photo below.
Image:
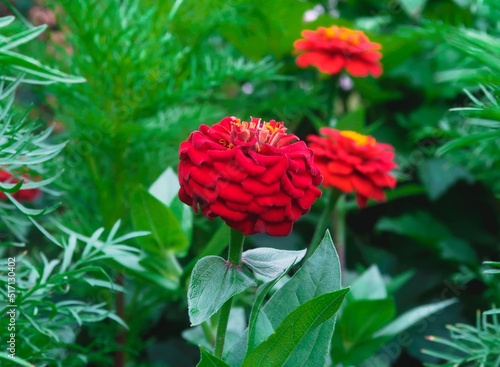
253	175
21	195
335	48
353	162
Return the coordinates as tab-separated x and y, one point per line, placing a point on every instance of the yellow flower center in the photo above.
344	34
359	139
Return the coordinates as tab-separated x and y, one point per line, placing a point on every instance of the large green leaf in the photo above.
319	275
279	347
213	282
149	214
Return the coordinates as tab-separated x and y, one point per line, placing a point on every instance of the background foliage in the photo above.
153	71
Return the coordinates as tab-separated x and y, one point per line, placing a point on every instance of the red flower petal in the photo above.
248	165
224	212
274	173
257	188
233	192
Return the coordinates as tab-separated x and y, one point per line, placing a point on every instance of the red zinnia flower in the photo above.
250	174
25	195
353	162
334	48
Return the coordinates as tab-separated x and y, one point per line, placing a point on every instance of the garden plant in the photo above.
249	183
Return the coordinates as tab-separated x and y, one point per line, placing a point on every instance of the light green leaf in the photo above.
31	66
149	214
213	282
468	140
209	360
22	37
412	317
279	347
271	262
369	285
413	7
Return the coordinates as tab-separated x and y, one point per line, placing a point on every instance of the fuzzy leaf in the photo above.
213	282
271	262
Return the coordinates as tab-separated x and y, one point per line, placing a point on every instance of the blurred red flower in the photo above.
253	175
353	162
26	195
335	48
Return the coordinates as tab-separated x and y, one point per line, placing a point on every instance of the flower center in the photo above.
352	37
256	132
359	139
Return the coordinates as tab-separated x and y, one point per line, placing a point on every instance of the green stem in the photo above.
324	220
332	83
207	331
339	230
234	258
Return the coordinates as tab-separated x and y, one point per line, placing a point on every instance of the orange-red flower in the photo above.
353	162
253	175
335	48
25	195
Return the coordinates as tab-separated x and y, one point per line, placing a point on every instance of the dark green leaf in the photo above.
438	175
279	347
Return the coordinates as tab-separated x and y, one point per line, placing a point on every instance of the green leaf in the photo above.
271	262
438	175
262	292
413	7
457	249
22	37
31	66
353	340
468	140
278	348
149	214
5	21
209	360
213	282
412	317
353	120
18	361
369	286
215	246
420	226
319	275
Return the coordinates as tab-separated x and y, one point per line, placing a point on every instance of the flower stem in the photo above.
234	258
332	85
339	230
324	220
